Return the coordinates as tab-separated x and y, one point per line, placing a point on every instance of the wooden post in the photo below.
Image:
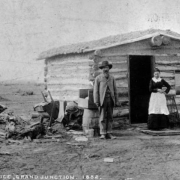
128	61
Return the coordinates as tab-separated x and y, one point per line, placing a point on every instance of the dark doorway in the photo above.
140	68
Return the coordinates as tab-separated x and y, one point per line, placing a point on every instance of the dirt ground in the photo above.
136	156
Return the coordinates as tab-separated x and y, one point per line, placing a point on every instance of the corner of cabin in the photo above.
66	74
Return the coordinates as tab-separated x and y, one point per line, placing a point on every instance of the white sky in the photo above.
29	27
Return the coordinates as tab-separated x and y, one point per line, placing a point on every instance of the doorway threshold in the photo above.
142	127
167	132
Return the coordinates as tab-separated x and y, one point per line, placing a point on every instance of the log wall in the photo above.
65	75
168	65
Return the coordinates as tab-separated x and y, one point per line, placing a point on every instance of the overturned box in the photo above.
86	100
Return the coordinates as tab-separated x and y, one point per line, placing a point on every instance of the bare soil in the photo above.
136	156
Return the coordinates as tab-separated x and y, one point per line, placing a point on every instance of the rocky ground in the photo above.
135	156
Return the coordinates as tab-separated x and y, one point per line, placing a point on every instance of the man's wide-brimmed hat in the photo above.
104	64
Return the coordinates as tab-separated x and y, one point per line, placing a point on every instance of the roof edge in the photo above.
133	40
159	32
124	42
113	45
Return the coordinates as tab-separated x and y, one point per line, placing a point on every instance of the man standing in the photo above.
105	97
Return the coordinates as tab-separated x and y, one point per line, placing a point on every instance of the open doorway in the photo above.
141	69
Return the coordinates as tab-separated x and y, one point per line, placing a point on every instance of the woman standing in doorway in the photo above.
158	111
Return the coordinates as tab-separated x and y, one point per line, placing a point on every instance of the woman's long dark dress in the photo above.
158	116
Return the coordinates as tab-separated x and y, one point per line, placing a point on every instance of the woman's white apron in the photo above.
158	104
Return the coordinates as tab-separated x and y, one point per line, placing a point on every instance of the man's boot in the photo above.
110	136
102	136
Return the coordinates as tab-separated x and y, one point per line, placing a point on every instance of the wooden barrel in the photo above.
165	40
156	41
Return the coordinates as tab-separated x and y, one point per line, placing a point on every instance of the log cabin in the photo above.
133	55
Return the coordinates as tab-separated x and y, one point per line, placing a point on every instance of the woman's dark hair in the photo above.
157	70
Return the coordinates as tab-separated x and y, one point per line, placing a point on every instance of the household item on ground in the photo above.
109	160
81	138
48	108
174	118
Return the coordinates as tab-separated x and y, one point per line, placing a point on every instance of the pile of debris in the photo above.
45	122
73	117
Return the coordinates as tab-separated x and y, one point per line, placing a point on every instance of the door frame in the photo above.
128	63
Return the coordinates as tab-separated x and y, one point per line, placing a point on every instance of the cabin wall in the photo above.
166	59
168	65
65	75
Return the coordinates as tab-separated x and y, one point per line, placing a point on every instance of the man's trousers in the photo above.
106	116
